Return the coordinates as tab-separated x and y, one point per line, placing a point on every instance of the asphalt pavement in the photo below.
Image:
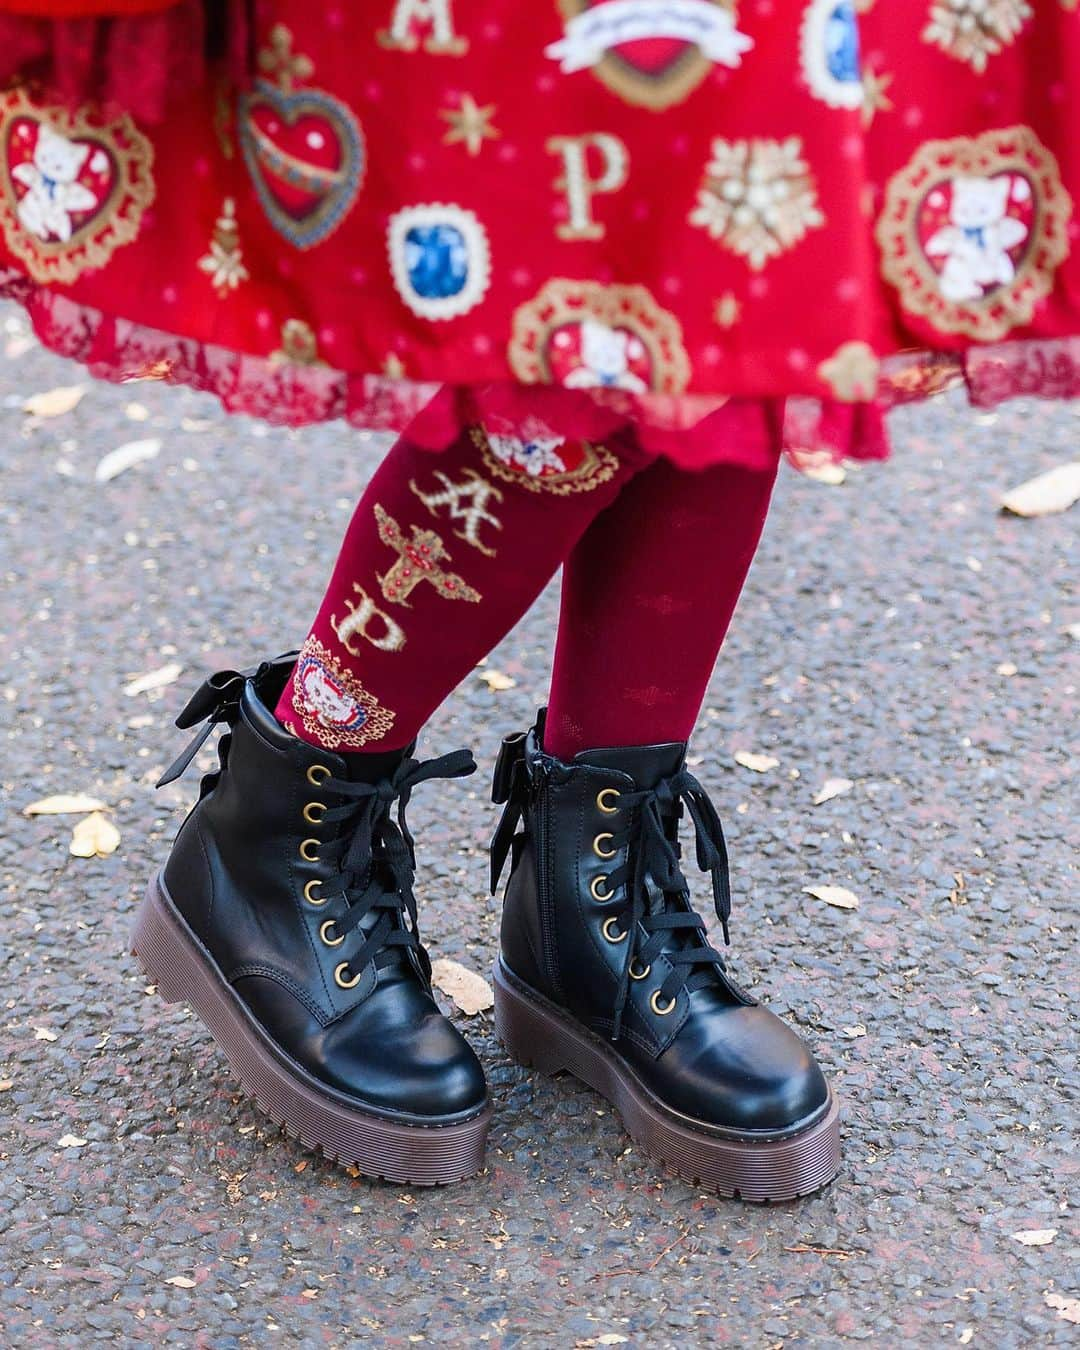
897	631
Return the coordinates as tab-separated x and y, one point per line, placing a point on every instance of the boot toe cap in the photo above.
745	1070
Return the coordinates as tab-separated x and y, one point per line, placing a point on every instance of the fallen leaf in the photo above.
64	804
136	412
1046	494
820	465
1073	631
54	402
1069	1308
6	1084
469	991
44	1034
70	1141
839	896
154	679
301	1166
94	837
853	1032
832	787
497	680
181	1281
611	1338
758	763
113	464
966	1335
1036	1237
1007	668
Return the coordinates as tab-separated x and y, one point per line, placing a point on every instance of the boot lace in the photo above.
376	855
656	906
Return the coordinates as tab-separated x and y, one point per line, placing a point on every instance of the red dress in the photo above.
563	217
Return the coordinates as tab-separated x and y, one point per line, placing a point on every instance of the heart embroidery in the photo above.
72	188
973	230
652	53
305	153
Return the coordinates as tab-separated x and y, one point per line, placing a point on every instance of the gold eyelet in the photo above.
601	803
317	774
654	1004
310	897
600	853
327	941
606	930
309	850
594	889
314	812
341	981
638	971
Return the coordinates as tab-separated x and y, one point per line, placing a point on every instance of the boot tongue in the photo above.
645	764
373	768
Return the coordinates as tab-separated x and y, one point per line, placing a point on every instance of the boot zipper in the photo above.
547	899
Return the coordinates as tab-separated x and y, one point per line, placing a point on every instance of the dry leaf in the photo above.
853	1033
64	804
44	1034
70	1141
833	787
966	1336
54	402
1069	1308
758	763
154	679
1007	668
820	465
113	464
7	1084
611	1338
181	1281
136	412
469	991
1036	1237
839	896
94	837
496	680
1046	494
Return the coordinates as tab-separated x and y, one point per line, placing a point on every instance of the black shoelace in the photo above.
657	904
376	854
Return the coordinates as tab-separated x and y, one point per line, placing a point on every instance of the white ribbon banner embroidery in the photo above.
591	34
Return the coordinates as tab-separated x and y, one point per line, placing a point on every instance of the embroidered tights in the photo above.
445	552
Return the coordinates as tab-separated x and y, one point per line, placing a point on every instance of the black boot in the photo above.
285	917
606	971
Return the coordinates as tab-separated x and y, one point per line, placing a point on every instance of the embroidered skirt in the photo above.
562	218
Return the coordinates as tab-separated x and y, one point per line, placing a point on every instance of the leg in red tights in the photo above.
444	553
647	596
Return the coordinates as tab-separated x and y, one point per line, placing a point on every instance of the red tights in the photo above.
445	552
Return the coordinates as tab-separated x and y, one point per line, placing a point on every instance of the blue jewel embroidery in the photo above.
842	43
437	260
977	233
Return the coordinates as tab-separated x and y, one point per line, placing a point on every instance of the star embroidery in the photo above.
875	98
470	124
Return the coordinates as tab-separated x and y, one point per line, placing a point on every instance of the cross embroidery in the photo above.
418	560
466	502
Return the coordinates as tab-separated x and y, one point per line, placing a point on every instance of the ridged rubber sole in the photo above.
184	972
538	1035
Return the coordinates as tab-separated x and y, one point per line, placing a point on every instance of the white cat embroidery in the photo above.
975	245
331	705
534	456
52	192
606	362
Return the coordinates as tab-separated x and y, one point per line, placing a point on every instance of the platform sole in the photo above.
539	1035
415	1154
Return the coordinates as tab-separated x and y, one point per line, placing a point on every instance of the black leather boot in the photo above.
285	917
606	971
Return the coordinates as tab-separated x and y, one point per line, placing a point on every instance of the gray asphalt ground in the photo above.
896	631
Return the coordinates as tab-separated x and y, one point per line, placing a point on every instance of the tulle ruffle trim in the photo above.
691	430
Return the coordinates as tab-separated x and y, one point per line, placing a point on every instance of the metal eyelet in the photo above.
317	774
594	889
341	981
310	897
314	812
654	1004
601	804
607	931
324	928
309	850
600	853
638	971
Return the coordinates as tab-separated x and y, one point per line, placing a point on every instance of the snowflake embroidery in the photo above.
224	263
534	457
758	198
975	30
